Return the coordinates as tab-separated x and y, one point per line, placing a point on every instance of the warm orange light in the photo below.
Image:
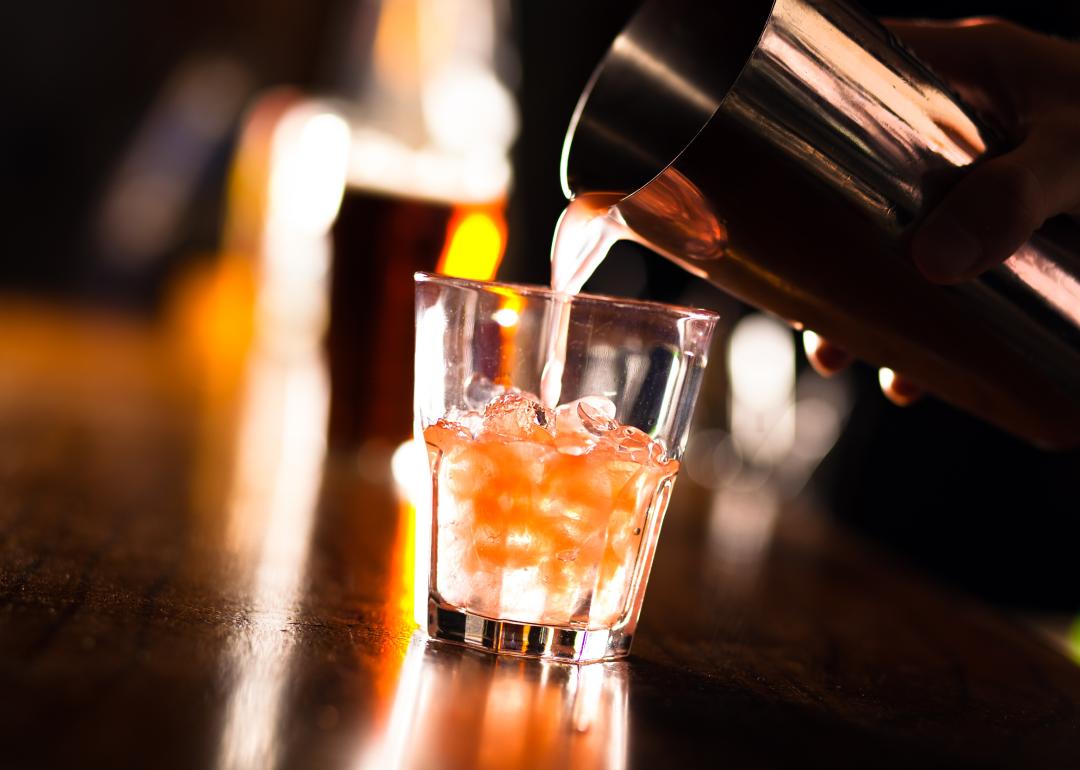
403	564
211	310
396	54
475	239
412	482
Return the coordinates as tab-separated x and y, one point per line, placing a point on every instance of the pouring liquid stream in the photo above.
587	229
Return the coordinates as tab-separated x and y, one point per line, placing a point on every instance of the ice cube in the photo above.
597	415
468	471
516	416
446	433
589	414
610	597
480	391
468	420
456	575
573	442
522	594
579	423
488	546
638	446
524	463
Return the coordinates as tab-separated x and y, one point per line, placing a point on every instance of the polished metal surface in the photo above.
784	150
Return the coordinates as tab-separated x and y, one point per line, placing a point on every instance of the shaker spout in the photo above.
657	87
785	150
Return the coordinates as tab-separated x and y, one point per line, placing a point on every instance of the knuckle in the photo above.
995	28
1059	128
994	23
1019	189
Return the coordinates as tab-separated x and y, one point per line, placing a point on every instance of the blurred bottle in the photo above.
157	209
337	231
427	177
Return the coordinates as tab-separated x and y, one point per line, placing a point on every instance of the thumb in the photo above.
997	205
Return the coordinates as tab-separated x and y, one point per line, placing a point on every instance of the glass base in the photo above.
505	637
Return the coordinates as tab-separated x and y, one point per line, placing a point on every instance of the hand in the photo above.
828	359
1029	83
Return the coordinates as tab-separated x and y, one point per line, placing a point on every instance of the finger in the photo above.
997	205
996	65
961	52
898	389
826	358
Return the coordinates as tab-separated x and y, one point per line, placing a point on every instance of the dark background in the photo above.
77	77
956	496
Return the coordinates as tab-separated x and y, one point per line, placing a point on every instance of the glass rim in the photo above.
531	290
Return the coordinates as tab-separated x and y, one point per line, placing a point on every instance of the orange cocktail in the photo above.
546	509
541	515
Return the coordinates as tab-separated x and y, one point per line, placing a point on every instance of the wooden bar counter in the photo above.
189	579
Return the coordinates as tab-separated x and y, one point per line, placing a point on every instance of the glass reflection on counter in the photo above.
281	439
458	708
780	426
277	464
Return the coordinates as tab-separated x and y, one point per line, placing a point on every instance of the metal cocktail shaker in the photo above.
783	150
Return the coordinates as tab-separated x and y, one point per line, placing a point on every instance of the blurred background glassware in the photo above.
428	172
782	150
395	159
542	534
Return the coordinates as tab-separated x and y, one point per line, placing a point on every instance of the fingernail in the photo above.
945	251
906	390
832	358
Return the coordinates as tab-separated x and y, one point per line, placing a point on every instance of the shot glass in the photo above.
554	427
